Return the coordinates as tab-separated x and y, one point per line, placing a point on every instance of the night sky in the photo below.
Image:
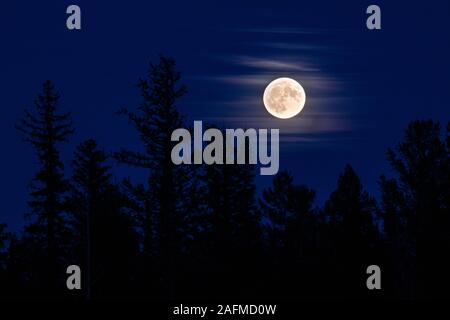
363	87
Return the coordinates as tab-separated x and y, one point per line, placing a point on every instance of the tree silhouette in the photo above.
104	236
44	129
397	260
198	232
290	210
229	227
155	120
350	212
292	231
421	162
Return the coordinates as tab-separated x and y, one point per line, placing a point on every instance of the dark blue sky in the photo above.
363	87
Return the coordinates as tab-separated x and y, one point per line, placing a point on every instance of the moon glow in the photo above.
284	98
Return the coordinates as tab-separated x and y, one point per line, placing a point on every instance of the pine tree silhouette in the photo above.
155	121
350	212
292	235
202	230
104	236
44	129
397	260
288	207
231	230
421	207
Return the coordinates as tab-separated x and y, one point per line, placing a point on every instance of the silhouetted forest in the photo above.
204	231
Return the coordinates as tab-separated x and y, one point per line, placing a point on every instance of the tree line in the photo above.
203	231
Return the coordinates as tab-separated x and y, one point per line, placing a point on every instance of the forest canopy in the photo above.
204	231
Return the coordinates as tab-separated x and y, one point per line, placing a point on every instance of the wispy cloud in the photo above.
306	124
320	83
324	114
288	30
304	48
273	63
291	46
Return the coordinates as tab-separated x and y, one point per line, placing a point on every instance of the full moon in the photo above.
284	98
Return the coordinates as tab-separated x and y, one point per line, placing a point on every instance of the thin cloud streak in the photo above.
309	82
288	30
301	124
291	46
273	63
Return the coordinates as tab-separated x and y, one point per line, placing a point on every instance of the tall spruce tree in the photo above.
165	193
351	213
104	238
419	204
230	201
289	208
230	228
292	226
45	128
